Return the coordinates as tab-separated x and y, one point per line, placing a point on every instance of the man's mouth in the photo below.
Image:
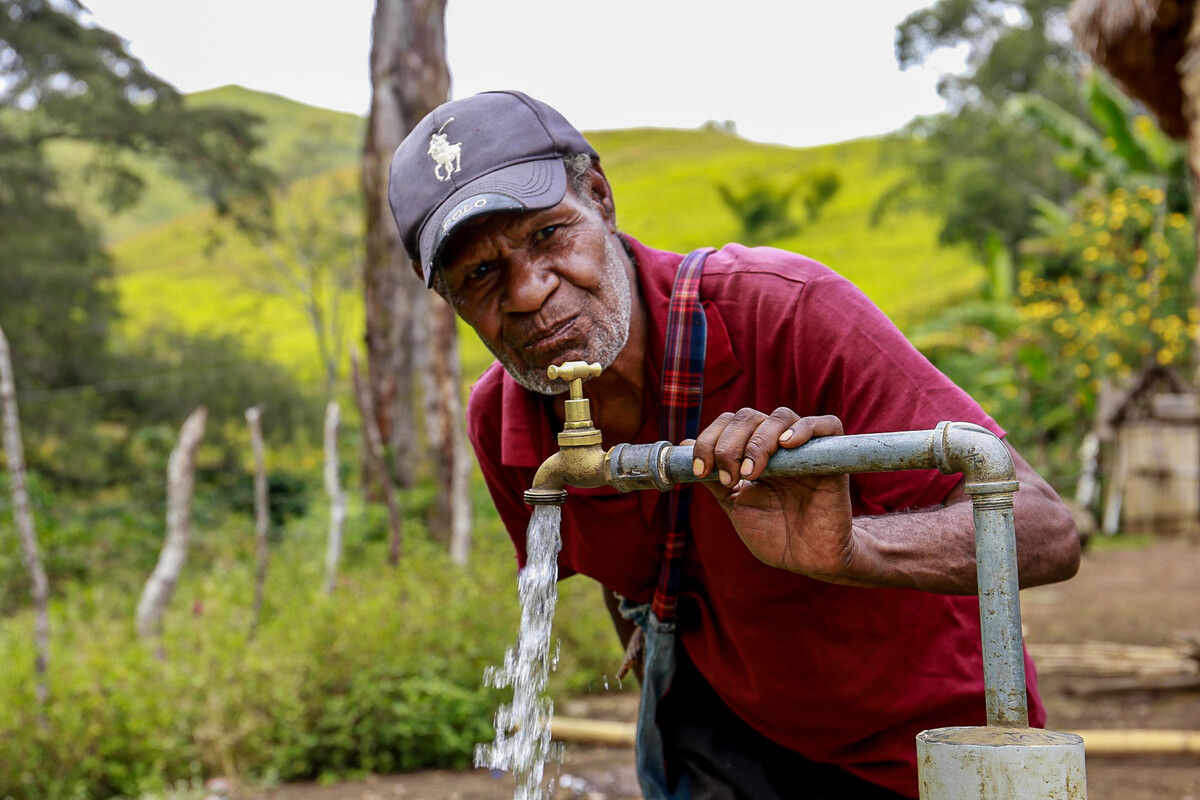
551	339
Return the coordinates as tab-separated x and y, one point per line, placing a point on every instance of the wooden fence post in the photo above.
261	513
181	470
374	447
14	451
337	498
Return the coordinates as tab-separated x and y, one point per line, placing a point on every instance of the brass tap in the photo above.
580	459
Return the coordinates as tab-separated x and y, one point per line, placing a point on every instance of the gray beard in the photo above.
611	332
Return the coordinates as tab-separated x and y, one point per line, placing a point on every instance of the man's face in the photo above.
543	287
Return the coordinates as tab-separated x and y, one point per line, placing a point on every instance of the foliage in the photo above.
312	257
386	675
763	207
980	168
1107	290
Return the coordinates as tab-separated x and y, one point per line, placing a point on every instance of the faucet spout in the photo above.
578	465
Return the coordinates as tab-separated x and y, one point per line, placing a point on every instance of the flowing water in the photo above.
523	744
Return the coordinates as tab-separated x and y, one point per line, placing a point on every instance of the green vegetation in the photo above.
386	675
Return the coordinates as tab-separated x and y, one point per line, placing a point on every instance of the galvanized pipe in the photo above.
951	447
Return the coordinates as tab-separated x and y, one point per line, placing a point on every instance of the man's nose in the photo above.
529	283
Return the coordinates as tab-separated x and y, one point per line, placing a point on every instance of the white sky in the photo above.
799	72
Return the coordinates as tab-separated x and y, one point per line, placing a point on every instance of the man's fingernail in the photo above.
783	437
747	467
698	467
724	476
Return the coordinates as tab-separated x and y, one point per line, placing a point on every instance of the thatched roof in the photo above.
1140	43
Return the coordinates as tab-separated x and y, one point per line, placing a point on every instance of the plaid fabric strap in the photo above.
682	393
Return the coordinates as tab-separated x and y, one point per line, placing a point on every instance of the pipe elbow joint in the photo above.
980	455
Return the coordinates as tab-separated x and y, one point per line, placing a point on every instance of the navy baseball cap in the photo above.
493	152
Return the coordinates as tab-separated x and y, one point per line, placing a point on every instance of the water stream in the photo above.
523	744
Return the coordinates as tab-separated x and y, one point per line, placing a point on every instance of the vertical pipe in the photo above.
1000	609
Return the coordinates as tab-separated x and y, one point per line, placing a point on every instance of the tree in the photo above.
62	81
975	167
408	333
311	257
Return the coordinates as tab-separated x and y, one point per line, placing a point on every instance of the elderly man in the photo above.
803	630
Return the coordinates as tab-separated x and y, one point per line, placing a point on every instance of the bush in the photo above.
385	675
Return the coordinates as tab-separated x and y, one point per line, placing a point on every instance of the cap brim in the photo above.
528	186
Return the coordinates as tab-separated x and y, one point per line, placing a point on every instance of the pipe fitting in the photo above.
980	455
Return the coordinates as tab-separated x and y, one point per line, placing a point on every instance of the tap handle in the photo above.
573	370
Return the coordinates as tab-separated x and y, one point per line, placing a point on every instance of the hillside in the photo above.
665	186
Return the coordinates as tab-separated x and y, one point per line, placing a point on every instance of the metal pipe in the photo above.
951	447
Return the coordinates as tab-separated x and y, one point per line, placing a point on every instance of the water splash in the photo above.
523	743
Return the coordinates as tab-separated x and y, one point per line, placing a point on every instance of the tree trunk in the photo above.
261	513
409	78
14	452
180	478
337	498
451	521
374	448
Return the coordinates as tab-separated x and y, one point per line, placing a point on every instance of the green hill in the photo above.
665	186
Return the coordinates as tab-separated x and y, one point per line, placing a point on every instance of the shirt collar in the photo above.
528	436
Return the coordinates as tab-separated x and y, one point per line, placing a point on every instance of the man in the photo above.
822	622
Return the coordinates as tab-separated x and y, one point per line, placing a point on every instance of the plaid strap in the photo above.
682	393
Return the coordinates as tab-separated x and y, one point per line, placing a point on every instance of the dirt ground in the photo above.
1134	595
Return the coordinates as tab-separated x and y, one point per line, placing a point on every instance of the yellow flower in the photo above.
1075	229
1136	272
1082	370
1177	220
1156	196
1090	253
1128	318
1140	255
1112	360
1103	238
1163	356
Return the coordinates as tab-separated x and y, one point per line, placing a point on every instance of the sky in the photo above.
799	72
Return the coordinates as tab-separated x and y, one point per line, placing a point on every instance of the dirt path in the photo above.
1143	595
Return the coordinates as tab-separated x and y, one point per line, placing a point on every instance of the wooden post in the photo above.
374	447
262	519
181	471
337	498
14	451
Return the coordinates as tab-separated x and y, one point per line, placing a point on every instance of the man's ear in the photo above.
601	193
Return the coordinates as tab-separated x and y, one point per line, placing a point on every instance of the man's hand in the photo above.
803	524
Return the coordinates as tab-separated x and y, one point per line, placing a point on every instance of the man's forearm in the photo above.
934	549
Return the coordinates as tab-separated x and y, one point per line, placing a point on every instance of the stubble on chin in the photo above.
610	325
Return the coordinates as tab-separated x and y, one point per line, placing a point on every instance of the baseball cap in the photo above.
492	152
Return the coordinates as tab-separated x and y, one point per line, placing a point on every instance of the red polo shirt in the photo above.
842	675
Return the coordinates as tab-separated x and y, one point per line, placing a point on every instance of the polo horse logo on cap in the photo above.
447	158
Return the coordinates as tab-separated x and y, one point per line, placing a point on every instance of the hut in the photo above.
1151	430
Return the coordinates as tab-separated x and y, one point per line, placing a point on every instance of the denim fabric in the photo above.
659	668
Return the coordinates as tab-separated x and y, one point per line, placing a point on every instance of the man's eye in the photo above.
545	233
480	271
